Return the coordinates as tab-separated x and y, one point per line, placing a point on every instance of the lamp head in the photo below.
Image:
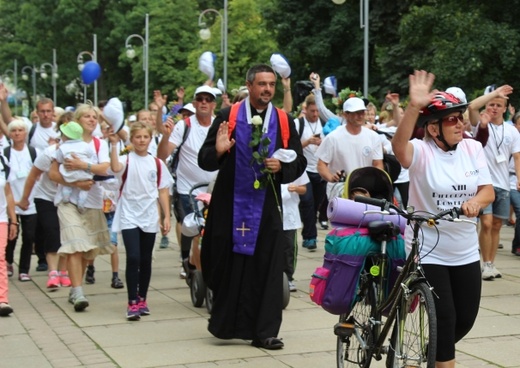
130	52
25	77
338	2
205	34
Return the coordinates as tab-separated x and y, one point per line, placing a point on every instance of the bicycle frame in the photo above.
410	273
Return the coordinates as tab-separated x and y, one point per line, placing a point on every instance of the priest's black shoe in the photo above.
271	343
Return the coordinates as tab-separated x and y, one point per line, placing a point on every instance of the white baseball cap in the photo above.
354	104
188	107
205	89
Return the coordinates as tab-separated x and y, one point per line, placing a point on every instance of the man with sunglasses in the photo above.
188	172
503	143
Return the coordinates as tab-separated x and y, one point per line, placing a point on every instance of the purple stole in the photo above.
248	202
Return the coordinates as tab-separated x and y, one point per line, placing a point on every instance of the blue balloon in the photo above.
91	72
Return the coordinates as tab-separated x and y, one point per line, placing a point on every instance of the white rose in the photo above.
256	120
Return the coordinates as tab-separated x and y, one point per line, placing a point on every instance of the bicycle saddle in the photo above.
382	230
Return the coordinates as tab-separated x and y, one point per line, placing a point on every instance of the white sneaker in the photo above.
487	271
496	273
292	287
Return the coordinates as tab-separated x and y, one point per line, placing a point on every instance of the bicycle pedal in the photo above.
343	329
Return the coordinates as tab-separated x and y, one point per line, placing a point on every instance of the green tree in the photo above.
249	42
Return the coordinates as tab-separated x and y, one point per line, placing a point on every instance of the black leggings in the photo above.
139	247
458	289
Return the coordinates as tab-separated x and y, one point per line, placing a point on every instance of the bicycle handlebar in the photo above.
385	205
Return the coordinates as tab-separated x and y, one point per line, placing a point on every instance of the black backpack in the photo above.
7	154
174	162
5	167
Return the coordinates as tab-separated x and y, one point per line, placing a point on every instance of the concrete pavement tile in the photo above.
257	362
493	351
18	345
182	352
305	319
495	326
103	365
26	362
65	363
504	304
11	326
300	301
316	360
142	332
307	341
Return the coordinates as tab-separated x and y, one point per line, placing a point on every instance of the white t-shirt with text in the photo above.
440	181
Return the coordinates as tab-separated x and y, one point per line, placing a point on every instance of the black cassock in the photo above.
248	290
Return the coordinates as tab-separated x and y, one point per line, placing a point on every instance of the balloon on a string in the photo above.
90	72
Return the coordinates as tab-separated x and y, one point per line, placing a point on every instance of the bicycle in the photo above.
409	306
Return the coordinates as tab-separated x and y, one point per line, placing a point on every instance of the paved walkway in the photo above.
44	331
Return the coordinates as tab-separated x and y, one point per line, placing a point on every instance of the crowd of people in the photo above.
75	180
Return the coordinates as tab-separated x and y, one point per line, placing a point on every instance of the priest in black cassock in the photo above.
242	251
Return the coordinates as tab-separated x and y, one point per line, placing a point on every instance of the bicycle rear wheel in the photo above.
354	331
414	337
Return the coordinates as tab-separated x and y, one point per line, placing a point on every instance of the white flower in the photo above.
256	120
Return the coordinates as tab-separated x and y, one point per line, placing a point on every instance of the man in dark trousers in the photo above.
242	249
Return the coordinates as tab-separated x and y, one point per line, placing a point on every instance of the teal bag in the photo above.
346	252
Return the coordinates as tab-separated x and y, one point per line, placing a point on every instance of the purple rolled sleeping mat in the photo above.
343	212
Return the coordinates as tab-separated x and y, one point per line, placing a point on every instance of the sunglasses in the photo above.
452	120
204	99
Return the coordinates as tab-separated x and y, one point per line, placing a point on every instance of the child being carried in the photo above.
73	146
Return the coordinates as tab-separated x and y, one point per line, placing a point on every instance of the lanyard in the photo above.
494	136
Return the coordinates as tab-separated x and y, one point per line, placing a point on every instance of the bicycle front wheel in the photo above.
414	338
354	331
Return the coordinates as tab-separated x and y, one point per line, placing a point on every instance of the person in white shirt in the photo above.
48	226
188	171
446	171
8	230
40	135
503	143
291	222
85	234
349	147
311	135
20	160
145	180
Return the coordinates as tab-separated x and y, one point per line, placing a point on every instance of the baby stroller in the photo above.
193	225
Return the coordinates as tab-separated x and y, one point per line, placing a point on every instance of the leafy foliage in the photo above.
466	43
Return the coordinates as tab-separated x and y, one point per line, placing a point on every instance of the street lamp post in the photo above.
81	64
54	76
14	72
93	57
33	78
363	23
205	33
130	53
